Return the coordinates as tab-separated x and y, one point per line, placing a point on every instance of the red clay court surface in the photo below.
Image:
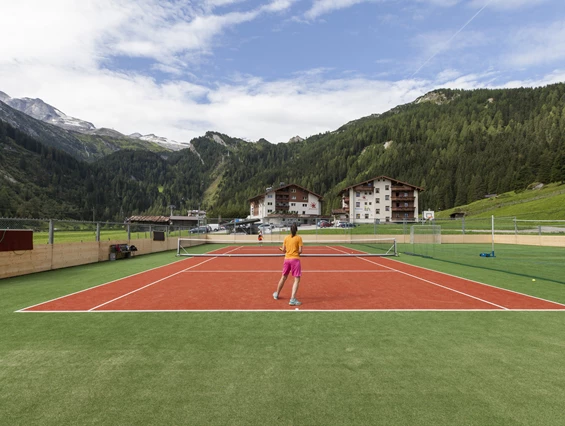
328	284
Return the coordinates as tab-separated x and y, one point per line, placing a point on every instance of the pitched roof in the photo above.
149	219
384	177
282	187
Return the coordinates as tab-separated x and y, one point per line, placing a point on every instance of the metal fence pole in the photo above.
97	232
463	225
51	232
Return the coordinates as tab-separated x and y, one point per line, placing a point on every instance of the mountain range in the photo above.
458	145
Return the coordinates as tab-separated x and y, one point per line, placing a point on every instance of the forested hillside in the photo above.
458	145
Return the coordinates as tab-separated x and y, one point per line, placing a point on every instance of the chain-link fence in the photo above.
52	231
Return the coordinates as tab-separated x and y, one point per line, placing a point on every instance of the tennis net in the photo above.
334	248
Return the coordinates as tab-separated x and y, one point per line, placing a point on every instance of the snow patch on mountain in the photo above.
40	110
167	143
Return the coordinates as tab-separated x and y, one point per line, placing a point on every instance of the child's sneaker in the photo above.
294	302
275	296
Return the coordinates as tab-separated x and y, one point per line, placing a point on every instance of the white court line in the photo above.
155	282
478	282
278	271
436	284
286	310
149	285
100	285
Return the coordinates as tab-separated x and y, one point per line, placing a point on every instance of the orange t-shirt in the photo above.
292	245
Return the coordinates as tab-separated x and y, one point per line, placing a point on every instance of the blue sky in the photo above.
271	69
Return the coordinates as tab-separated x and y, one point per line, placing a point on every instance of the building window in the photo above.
387	197
293	197
378	200
293	204
366	216
358	216
270	196
269	203
357	194
387	208
365	203
386	187
405	214
357	204
378	211
405	204
293	190
269	211
377	190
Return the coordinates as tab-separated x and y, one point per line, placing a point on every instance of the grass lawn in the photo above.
279	368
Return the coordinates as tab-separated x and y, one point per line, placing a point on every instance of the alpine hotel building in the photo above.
381	198
286	204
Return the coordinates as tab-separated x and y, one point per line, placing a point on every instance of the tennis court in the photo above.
360	276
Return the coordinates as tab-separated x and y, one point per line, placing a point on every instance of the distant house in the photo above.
286	204
185	221
381	198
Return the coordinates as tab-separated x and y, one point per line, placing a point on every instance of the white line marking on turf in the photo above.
478	282
436	284
100	285
150	284
286	310
278	271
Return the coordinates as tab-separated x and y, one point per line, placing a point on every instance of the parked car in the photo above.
347	225
263	226
324	224
200	230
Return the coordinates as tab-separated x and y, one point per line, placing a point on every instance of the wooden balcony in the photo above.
402	198
369	188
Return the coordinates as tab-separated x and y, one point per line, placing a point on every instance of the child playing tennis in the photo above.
292	248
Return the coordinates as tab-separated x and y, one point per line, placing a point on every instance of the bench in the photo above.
121	251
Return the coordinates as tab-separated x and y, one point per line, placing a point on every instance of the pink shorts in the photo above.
292	265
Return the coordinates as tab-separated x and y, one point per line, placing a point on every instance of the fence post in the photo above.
97	232
129	232
515	226
463	225
51	232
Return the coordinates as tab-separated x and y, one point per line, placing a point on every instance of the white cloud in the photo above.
538	45
321	7
60	52
508	4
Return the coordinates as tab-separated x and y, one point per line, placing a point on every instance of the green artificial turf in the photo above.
278	368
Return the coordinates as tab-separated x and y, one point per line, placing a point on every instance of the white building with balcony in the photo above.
381	198
286	204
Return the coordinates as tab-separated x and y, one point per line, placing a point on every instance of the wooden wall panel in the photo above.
14	263
72	254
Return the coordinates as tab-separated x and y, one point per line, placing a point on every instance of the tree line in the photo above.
458	145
